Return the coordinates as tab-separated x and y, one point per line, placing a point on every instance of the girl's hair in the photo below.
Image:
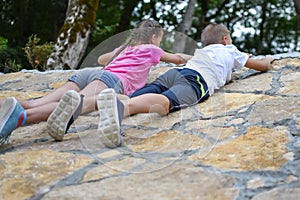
143	32
141	35
213	34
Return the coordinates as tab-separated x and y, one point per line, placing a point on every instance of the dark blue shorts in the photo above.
182	86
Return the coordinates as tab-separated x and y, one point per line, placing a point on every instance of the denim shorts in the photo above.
86	76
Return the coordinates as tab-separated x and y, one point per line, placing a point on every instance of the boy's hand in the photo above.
269	60
260	64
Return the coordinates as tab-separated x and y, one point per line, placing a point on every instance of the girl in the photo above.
126	70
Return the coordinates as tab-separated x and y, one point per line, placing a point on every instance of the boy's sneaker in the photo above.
12	115
65	113
111	114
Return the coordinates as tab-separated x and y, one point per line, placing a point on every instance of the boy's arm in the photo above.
177	58
262	64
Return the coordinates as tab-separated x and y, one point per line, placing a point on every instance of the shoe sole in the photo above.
59	118
108	127
6	110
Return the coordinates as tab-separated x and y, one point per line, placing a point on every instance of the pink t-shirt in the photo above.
133	64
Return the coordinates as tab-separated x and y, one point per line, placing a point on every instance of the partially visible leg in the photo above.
12	115
65	113
54	96
40	113
94	88
111	114
147	103
95	81
71	105
90	93
112	110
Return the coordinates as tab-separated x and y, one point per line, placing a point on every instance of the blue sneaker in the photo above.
12	116
111	112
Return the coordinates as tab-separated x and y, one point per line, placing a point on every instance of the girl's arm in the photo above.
178	58
105	58
262	64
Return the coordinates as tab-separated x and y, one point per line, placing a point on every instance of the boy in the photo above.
210	68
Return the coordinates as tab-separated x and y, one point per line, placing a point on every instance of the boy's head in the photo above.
215	34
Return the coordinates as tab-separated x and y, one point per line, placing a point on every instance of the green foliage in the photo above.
38	55
3	43
20	19
108	17
12	65
9	58
102	31
262	26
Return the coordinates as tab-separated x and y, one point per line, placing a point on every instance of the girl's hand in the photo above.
184	57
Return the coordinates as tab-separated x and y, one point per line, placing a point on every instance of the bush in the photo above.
38	55
9	57
3	43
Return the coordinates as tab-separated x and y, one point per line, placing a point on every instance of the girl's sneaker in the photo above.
111	114
12	115
65	113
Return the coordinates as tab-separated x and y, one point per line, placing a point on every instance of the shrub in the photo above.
9	57
38	55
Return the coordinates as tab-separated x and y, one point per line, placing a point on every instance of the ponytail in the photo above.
140	35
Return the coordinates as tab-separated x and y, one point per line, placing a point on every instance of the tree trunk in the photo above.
297	6
181	38
74	34
126	15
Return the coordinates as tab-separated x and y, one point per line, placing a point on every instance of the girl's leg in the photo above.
40	113
112	111
90	93
13	116
54	96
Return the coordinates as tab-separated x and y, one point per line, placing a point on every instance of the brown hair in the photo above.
141	35
213	34
143	32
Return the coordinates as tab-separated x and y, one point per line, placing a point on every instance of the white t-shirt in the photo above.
215	63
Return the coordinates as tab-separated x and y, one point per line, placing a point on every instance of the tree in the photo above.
74	34
184	27
297	6
126	15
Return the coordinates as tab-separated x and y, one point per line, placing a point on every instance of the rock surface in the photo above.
242	143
